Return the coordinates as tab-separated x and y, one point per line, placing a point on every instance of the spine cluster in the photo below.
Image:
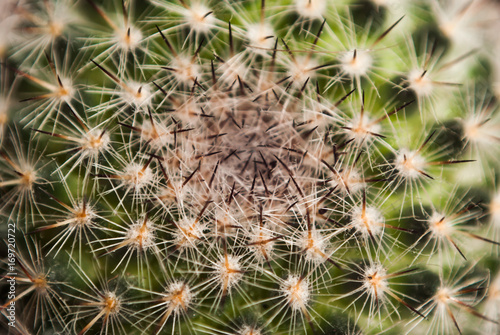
250	167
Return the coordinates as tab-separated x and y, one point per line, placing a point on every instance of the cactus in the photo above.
249	167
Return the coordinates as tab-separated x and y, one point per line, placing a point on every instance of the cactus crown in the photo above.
249	167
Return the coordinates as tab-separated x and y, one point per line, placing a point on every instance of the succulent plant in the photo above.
250	167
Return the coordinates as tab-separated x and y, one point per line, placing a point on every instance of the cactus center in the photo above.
375	281
296	291
28	178
439	225
312	9
260	36
96	141
190	233
443	295
141	235
356	62
229	271
83	215
200	18
40	282
420	83
55	29
137	175
129	39
111	303
178	296
368	221
409	164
